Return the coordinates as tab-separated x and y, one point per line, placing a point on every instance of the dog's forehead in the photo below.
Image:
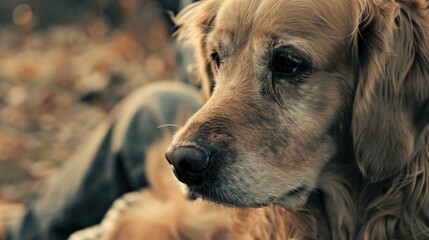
284	14
292	21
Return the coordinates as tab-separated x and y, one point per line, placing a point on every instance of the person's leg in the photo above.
110	164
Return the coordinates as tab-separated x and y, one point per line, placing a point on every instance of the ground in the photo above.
58	82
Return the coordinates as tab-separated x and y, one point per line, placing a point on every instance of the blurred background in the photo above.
63	65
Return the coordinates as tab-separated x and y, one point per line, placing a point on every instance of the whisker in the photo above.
169	125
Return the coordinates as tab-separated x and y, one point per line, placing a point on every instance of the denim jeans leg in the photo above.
108	165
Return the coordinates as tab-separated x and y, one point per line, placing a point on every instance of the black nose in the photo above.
188	163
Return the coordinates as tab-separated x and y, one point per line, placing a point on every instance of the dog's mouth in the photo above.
220	197
294	198
296	192
196	179
192	195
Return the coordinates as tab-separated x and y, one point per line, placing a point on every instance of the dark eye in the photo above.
287	66
215	59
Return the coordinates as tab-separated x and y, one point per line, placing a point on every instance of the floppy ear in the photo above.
383	124
195	22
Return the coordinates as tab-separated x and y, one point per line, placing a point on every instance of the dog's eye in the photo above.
287	66
215	59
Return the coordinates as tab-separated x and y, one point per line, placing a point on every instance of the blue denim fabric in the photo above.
109	164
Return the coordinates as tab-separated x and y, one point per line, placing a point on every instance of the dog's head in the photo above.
286	82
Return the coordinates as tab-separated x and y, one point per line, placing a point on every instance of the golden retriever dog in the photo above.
317	114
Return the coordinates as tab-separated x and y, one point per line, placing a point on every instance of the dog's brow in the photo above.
289	48
210	23
278	43
219	45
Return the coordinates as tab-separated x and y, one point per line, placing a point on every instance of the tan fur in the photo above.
349	130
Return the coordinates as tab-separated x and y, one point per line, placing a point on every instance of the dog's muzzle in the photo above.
189	163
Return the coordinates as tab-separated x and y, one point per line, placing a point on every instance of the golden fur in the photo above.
373	59
340	152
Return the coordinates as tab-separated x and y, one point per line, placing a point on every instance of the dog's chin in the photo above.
219	198
295	202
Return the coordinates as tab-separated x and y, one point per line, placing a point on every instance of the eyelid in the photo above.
214	53
289	50
217	50
216	59
219	54
292	57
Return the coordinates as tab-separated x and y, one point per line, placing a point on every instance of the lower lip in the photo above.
192	196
